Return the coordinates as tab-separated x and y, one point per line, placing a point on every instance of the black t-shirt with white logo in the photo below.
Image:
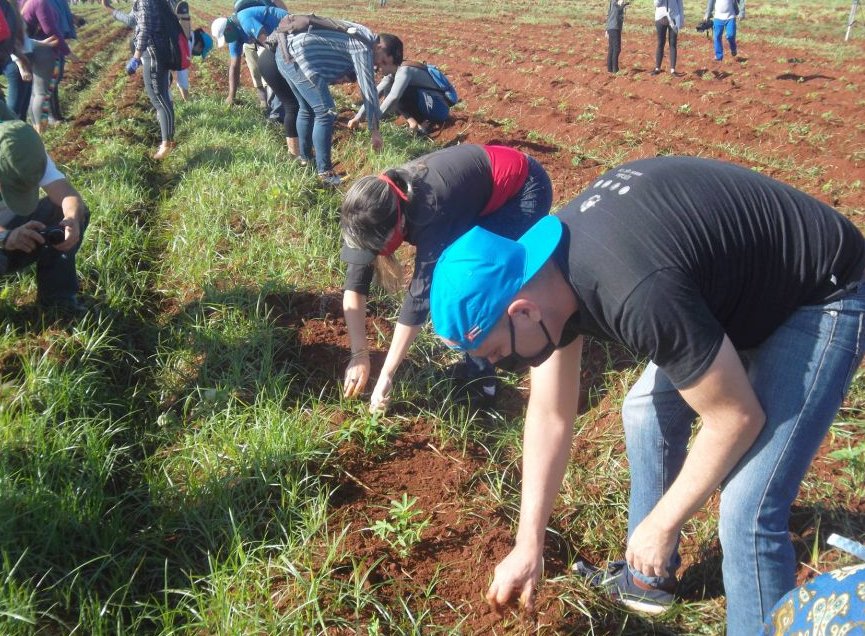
668	254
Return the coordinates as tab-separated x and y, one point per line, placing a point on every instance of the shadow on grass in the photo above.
80	520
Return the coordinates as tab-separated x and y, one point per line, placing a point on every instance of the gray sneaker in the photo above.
329	178
620	584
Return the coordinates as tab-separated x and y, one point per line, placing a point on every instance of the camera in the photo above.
53	234
704	25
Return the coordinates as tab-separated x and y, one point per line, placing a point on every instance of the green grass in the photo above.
167	464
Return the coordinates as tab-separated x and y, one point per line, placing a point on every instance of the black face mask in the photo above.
517	363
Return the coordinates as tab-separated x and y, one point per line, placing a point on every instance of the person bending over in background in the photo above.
45	231
669	20
746	296
413	93
615	21
312	60
249	49
252	25
725	14
429	202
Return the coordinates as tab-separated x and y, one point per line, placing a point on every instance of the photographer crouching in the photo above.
45	231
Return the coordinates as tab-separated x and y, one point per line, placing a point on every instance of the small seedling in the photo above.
402	528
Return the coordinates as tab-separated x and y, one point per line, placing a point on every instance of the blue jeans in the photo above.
316	116
722	27
17	90
800	375
56	279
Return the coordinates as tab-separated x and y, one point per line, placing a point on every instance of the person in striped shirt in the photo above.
312	60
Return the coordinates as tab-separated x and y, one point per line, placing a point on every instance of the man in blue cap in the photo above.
745	296
45	231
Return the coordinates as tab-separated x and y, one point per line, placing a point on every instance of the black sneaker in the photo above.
620	584
470	388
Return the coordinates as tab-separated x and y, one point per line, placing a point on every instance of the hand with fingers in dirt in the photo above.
353	123
516	576
25	238
380	399
356	374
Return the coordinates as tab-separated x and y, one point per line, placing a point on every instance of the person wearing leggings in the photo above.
43	26
147	40
669	19
253	25
16	68
67	22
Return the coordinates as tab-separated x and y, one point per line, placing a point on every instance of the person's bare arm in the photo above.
553	404
732	418
357	372
403	336
62	193
233	79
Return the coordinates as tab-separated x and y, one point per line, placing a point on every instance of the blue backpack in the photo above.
447	89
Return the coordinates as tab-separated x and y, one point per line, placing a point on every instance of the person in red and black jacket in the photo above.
429	202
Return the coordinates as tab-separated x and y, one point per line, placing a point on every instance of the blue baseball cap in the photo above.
478	276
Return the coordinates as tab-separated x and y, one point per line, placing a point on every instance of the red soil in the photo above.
789	111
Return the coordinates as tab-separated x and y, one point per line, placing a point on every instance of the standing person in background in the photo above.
16	61
312	60
149	42
200	43
252	25
615	20
429	202
669	19
413	93
67	22
724	14
49	44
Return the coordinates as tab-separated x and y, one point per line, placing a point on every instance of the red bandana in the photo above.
397	237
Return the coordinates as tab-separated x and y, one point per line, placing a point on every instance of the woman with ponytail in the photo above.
429	203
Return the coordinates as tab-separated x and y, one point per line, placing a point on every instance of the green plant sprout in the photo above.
402	528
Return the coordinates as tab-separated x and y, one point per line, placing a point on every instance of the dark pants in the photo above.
157	80
614	47
665	31
423	105
17	91
56	280
280	88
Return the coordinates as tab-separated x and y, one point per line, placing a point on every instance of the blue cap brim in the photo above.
540	241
